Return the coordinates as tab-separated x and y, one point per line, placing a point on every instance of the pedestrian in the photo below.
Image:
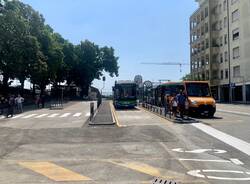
181	100
19	101
166	104
2	105
43	100
11	106
174	105
38	100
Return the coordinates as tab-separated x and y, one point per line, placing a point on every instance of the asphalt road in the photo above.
46	146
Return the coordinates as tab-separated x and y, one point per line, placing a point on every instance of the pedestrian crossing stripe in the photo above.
65	115
53	115
18	116
77	114
47	115
29	116
54	172
42	115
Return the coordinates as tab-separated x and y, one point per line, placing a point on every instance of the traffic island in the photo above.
103	115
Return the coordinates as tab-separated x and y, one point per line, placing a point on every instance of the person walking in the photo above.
43	101
38	100
19	101
11	106
167	104
174	105
181	99
2	105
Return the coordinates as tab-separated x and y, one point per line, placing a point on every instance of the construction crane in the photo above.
168	63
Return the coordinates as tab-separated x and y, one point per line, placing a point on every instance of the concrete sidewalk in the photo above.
103	115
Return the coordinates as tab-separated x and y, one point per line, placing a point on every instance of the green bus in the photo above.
124	94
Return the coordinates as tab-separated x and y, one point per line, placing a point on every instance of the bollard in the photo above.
92	110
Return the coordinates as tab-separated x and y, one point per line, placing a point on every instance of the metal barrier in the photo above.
56	105
92	110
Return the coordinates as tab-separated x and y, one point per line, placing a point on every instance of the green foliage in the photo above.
30	49
187	77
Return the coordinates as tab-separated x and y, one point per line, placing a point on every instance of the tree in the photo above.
187	77
13	31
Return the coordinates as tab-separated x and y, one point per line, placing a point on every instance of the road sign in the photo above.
148	84
138	79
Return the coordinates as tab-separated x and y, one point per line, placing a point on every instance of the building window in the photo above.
226	56
207	59
206	27
220	24
206	12
221	58
207	43
236	34
225	39
236	52
225	22
234	1
236	71
221	74
224	5
221	41
226	74
235	15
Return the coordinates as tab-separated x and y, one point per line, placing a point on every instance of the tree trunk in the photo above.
22	85
5	84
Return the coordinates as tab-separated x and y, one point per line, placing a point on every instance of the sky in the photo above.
138	30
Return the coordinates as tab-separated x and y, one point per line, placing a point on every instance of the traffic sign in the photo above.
148	84
138	79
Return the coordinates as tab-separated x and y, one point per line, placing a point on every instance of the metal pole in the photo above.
229	55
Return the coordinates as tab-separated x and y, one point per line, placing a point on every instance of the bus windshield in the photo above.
198	90
125	92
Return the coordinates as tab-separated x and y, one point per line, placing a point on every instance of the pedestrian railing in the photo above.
166	113
56	105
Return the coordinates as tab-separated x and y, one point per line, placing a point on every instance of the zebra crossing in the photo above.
47	115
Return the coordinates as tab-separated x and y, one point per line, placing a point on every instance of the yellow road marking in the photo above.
140	167
114	115
53	172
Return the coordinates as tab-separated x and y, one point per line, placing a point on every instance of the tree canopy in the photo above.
30	49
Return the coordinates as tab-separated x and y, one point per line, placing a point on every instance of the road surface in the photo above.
60	146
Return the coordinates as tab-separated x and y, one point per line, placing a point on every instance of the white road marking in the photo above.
197	173
18	116
204	160
65	115
53	115
42	115
181	150
234	112
77	114
29	116
88	114
236	161
228	139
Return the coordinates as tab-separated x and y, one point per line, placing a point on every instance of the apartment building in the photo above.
220	47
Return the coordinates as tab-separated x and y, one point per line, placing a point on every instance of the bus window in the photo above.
198	90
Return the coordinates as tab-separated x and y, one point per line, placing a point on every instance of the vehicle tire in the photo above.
211	115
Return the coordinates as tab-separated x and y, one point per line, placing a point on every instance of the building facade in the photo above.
220	47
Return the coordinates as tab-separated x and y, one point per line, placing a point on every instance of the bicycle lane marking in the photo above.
228	139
